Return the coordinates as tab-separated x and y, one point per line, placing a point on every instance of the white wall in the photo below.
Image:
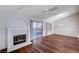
2	41
67	26
10	20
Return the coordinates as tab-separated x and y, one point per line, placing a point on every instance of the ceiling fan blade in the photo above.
52	9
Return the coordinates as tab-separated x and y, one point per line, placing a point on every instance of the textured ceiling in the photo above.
27	9
31	11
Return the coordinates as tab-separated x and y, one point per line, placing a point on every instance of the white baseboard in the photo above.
68	35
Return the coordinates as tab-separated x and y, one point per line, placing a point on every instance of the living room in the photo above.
39	29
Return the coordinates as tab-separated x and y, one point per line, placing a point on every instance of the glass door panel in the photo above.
37	30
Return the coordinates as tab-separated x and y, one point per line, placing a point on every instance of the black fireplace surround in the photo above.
17	39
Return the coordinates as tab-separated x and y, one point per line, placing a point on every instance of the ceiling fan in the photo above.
47	10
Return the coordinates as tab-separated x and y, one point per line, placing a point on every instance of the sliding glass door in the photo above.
36	30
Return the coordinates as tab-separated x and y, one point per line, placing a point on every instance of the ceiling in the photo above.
36	11
25	9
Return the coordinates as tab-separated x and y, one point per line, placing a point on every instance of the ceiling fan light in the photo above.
47	9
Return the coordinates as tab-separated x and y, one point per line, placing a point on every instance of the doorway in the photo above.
36	29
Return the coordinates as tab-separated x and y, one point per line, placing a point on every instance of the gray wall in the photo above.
67	26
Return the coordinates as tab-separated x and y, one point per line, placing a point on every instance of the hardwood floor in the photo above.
52	44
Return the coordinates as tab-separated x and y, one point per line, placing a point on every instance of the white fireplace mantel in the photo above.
11	31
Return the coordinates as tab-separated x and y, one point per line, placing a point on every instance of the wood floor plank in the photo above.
52	44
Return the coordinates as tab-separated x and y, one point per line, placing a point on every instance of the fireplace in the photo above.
17	39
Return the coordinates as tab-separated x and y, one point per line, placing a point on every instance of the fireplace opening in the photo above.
17	39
